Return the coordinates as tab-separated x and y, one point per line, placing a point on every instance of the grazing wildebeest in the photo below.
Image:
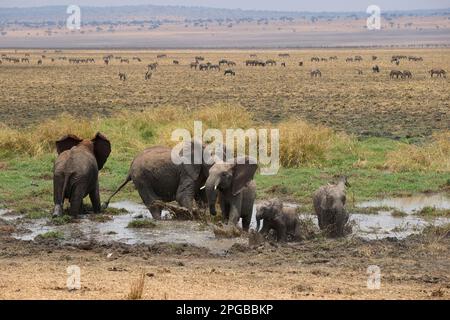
122	76
152	66
376	69
231	63
199	58
160	56
230	72
317	59
39	61
194	65
374	58
300	63
438	73
214	66
333	58
396	74
137	59
316	73
124	61
175	62
253	55
358	58
106	61
223	61
283	64
148	75
203	66
271	62
407	74
349	60
284	55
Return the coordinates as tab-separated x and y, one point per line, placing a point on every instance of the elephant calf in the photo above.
283	220
75	173
233	182
329	205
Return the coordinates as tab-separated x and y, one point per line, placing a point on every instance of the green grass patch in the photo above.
141	223
51	235
434	212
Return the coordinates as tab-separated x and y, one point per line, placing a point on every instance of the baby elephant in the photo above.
329	205
283	220
75	173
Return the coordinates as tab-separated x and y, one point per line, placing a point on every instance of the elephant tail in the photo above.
66	182
128	179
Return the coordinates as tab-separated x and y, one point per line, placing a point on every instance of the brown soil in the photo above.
416	268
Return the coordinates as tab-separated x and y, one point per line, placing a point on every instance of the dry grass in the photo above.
432	156
137	288
301	143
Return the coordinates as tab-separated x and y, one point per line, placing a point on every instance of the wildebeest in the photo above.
317	59
271	62
160	56
374	58
223	61
300	63
231	63
124	61
39	61
438	73
284	55
122	76
396	74
316	73
230	72
376	69
148	75
194	65
152	66
283	64
349	60
358	58
407	74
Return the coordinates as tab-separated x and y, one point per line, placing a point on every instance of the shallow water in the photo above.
367	226
411	204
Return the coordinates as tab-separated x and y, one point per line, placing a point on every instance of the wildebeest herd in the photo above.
193	185
200	64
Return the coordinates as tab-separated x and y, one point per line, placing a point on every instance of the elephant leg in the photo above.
246	222
94	195
235	210
266	227
76	201
185	194
281	232
148	196
225	209
58	197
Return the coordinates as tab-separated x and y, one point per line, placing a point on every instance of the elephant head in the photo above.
230	178
268	211
99	146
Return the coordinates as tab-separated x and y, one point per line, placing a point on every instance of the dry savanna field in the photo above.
389	136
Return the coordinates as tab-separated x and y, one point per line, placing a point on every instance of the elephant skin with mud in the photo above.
284	220
233	182
75	173
157	177
329	205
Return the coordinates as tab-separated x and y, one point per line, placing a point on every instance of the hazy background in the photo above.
288	5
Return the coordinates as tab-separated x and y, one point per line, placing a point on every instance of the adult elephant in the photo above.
75	173
233	182
157	177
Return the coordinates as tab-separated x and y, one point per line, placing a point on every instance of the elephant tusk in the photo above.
202	187
215	187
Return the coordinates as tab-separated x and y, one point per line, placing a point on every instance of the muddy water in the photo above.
411	204
368	226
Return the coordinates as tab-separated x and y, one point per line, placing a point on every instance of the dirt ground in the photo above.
415	268
368	104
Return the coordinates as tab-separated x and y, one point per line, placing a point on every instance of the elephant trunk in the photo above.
211	193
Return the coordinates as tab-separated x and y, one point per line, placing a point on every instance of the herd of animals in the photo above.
200	64
192	185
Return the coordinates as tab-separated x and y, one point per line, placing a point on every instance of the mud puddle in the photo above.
367	226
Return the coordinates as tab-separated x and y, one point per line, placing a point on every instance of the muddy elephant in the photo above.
284	220
75	173
329	205
157	177
233	182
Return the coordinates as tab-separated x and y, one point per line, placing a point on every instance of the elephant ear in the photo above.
193	167
67	142
276	206
102	149
243	172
